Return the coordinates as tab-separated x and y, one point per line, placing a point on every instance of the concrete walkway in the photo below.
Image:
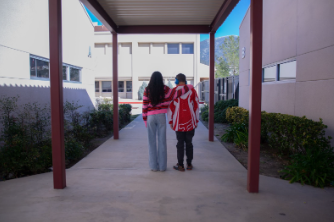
114	183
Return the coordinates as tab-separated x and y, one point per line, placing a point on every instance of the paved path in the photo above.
114	183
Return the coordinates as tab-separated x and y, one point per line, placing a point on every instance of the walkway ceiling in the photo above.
161	16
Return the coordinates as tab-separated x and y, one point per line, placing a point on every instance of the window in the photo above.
269	74
128	86
97	86
287	71
74	74
64	72
187	48
280	72
106	86
173	48
120	86
39	68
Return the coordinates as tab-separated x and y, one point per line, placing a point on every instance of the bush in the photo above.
238	134
314	167
25	138
237	115
124	113
219	110
73	150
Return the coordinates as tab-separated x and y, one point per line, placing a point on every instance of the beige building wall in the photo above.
140	55
25	32
300	30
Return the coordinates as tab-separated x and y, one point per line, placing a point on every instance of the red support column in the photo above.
115	83
255	96
212	82
56	90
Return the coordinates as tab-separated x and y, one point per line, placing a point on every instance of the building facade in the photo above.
140	55
298	55
24	51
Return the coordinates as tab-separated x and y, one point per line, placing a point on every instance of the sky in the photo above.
229	27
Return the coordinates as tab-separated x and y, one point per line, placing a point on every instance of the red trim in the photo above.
156	29
95	7
223	13
141	102
115	84
255	96
56	95
211	85
100	28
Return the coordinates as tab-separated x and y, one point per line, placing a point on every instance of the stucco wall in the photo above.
305	33
25	31
139	62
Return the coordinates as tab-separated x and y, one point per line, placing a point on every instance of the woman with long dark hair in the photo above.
156	99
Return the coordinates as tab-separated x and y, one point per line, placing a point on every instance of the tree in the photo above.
230	59
141	90
169	84
222	68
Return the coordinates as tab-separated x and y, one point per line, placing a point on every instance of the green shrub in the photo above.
205	113
238	134
219	110
73	150
315	166
124	113
291	134
237	115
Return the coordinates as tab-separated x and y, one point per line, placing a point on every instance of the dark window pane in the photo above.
269	74
97	87
173	48
42	69
64	73
74	75
32	67
106	86
129	86
188	48
120	86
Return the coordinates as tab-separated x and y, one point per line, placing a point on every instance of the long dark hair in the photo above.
156	88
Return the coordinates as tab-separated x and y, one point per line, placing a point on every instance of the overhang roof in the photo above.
161	16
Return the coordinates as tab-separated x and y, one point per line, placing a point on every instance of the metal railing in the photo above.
224	89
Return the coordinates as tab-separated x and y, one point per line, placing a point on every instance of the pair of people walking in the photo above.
182	106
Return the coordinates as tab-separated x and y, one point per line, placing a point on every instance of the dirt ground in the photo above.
270	163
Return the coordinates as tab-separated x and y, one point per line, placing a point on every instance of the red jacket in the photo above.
183	112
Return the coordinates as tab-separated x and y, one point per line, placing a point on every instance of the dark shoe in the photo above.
189	166
178	167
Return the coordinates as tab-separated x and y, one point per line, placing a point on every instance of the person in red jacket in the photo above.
183	117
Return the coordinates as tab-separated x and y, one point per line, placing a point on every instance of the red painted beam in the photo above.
255	96
223	13
95	8
211	85
56	91
115	84
157	29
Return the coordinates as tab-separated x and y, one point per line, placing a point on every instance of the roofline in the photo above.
223	13
244	17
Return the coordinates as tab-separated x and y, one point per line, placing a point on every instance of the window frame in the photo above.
68	66
278	71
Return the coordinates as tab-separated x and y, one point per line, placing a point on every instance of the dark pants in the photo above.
184	137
